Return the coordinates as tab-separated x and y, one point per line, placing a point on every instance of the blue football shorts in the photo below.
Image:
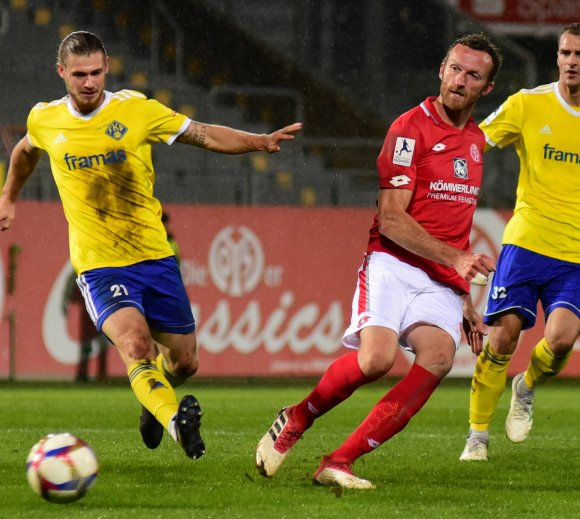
522	278
154	287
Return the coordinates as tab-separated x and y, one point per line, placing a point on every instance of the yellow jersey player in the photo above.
540	257
99	145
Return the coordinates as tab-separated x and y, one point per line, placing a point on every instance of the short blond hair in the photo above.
79	43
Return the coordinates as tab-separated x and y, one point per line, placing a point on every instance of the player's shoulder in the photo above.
128	95
418	111
414	117
43	106
537	93
540	89
43	113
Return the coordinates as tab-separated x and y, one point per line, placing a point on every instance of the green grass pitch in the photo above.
417	473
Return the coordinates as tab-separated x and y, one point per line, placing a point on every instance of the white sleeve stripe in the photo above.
183	127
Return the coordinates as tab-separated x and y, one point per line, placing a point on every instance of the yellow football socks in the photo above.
543	365
487	385
153	391
173	379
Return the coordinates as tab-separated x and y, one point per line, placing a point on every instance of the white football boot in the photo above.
519	420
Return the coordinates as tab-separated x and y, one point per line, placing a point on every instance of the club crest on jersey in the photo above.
116	130
475	154
460	168
404	149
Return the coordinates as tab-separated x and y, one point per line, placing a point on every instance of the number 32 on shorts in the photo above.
499	293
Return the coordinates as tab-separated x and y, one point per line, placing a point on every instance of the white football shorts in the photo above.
396	295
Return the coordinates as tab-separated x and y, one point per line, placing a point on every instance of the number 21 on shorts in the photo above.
119	290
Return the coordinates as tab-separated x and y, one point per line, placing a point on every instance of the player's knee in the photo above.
137	346
561	341
439	365
186	366
504	342
505	333
375	364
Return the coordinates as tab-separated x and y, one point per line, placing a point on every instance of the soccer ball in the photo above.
61	468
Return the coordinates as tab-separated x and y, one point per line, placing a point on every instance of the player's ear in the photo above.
488	88
60	70
106	64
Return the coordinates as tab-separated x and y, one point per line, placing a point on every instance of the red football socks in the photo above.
339	381
391	414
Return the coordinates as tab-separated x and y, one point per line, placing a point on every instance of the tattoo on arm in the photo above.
194	134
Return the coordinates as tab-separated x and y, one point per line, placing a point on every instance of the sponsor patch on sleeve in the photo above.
403	154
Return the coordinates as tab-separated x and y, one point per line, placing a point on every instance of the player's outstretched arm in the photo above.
23	160
223	139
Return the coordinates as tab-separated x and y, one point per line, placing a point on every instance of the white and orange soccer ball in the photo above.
61	468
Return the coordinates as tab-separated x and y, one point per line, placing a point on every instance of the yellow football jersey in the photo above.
102	166
545	131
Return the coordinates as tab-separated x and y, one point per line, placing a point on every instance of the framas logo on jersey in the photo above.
116	130
74	162
404	149
551	153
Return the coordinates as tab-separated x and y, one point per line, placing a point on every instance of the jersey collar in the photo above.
428	107
565	105
108	96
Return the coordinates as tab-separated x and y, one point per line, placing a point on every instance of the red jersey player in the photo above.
413	285
442	167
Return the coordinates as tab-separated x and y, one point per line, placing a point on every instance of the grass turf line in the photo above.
417	473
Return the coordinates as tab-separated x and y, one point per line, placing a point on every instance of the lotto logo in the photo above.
400	180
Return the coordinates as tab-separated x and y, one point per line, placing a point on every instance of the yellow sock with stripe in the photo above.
173	379
544	365
153	390
487	385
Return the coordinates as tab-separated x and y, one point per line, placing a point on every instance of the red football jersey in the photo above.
443	167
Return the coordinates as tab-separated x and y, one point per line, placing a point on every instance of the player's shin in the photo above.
171	377
153	391
391	414
339	381
544	365
487	385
